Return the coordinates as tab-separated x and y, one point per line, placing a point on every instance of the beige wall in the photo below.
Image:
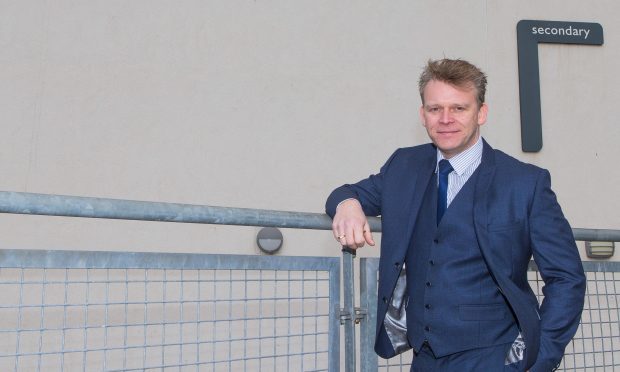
271	104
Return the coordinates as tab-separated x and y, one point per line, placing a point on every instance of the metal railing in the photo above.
71	206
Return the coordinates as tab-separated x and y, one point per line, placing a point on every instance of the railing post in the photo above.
369	361
347	317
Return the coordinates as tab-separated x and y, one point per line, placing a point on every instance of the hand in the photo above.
350	225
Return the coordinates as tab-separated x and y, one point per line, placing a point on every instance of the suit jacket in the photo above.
516	216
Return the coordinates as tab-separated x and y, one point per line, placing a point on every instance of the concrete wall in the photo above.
271	104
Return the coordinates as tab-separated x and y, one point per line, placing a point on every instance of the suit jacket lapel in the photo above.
483	182
417	186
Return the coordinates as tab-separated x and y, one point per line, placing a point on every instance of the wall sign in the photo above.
529	34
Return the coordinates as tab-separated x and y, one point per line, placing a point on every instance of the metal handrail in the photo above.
89	207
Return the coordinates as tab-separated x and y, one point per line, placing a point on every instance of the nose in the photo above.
445	117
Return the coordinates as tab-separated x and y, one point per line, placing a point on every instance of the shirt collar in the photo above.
465	159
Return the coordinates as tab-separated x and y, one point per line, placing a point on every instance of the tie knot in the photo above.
445	167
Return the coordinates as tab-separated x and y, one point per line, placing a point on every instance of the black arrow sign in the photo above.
529	34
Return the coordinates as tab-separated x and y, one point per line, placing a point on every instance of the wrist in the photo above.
344	201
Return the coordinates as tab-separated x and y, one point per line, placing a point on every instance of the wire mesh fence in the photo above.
58	312
596	345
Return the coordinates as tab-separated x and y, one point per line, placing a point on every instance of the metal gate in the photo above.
110	311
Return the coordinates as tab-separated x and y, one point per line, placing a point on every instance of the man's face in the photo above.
452	117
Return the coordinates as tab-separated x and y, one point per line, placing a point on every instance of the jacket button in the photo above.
435	241
385	300
397	264
427	328
428	306
431	262
428	284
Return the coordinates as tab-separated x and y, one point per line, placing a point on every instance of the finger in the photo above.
360	241
340	235
368	235
350	238
341	238
337	231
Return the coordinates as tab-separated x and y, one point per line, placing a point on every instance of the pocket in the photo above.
482	312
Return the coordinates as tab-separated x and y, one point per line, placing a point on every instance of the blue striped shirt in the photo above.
464	165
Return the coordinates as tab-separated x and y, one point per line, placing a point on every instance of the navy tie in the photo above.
442	196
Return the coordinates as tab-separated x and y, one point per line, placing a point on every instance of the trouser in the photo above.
484	359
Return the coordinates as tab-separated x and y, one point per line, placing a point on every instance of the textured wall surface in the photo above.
271	104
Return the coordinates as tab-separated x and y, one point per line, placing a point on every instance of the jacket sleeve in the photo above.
367	191
560	267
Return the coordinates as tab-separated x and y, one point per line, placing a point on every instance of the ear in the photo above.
482	114
422	116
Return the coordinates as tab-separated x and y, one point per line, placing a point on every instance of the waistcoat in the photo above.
454	303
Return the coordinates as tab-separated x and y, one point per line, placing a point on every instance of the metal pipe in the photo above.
597	235
369	267
348	314
89	207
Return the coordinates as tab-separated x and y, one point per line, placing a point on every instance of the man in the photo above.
460	224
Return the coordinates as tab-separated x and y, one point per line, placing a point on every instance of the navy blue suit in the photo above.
515	216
